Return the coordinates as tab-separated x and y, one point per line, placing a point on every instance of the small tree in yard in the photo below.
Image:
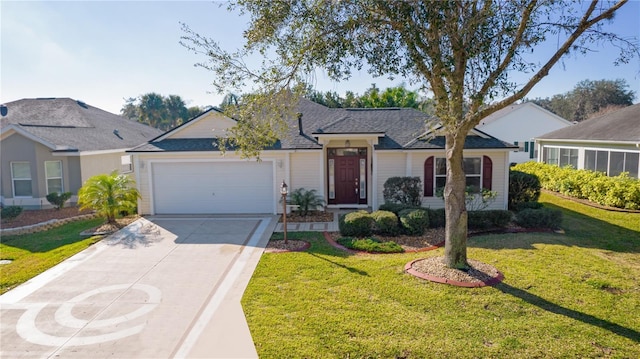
462	51
109	195
306	200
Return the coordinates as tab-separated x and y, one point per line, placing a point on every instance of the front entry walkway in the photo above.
162	288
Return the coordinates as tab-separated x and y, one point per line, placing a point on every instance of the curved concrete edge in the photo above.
408	268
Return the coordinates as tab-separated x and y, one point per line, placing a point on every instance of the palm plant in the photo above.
305	200
108	195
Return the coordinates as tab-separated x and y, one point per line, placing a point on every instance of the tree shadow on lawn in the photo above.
580	231
569	313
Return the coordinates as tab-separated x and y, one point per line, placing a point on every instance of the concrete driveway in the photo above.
162	288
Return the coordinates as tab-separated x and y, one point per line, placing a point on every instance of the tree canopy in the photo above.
373	97
589	98
461	51
158	111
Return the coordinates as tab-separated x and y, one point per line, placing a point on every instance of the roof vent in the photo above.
117	133
81	104
3	110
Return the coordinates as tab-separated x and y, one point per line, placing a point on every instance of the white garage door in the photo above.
213	187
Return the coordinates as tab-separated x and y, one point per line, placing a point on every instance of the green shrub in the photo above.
58	199
395	207
621	191
539	218
437	218
10	212
526	205
306	200
523	187
386	223
414	221
357	224
489	219
370	245
403	190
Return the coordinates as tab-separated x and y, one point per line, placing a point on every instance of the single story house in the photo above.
609	143
520	124
55	144
346	155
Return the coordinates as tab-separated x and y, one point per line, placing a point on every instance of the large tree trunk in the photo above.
455	250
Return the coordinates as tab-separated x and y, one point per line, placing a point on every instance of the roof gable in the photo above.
209	124
524	111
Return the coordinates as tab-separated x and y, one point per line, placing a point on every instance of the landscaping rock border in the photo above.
44	226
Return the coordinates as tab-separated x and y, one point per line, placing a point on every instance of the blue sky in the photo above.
104	52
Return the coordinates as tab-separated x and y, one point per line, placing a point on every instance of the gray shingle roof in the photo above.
620	125
398	128
74	125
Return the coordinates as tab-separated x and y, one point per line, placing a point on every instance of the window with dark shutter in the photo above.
428	177
487	172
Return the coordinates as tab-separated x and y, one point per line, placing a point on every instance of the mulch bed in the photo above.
30	217
278	246
433	269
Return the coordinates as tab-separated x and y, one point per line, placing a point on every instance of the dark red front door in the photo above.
347	179
347	175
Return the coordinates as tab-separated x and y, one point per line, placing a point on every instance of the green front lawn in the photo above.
564	295
32	254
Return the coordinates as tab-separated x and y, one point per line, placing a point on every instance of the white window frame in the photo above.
13	179
47	177
466	175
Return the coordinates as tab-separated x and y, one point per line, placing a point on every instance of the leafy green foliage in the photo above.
395	207
109	195
437	217
10	212
386	223
403	190
621	191
371	245
398	96
489	219
159	111
589	99
523	187
58	199
526	205
414	221
474	200
356	224
306	200
539	218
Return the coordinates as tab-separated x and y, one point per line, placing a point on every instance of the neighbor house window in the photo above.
612	162
21	179
126	164
53	172
561	156
478	172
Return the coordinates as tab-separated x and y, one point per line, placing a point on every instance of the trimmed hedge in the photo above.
403	190
523	187
527	205
356	224
621	191
58	199
396	207
372	245
10	212
414	221
489	219
539	218
386	223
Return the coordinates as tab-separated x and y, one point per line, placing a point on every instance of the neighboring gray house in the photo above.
520	124
55	144
609	143
346	155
